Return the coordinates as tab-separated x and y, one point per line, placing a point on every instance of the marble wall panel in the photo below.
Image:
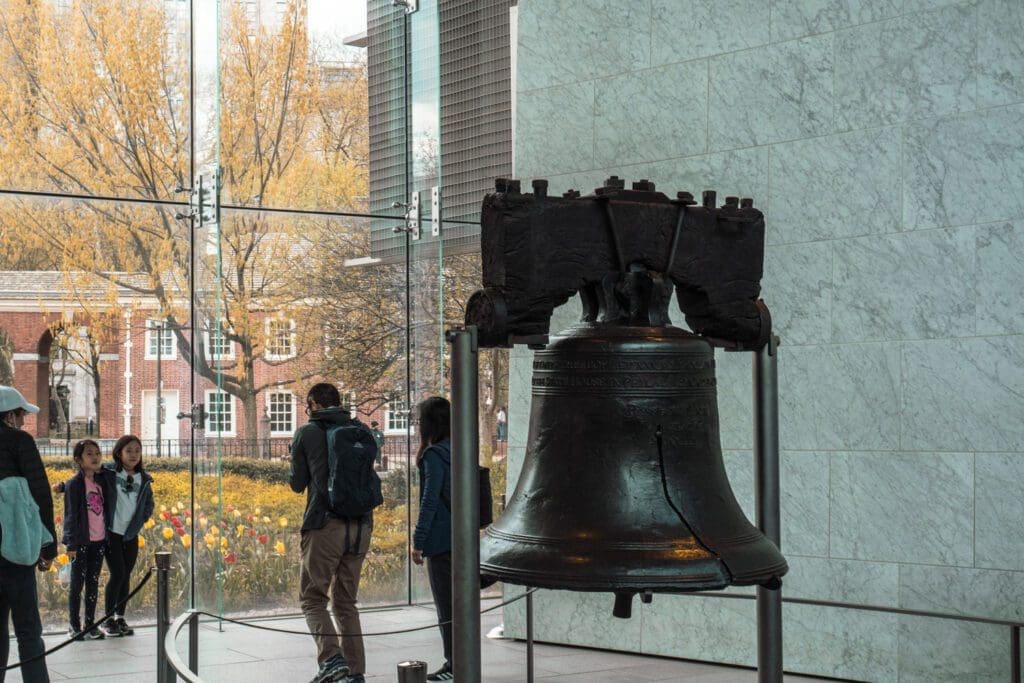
665	109
735	399
852	645
689	29
1000	52
555	130
963	394
886	286
1000	276
903	507
579	618
999	536
906	68
839	397
804	496
798	18
562	41
779	92
854	581
964	170
743	173
963	590
939	651
797	288
835	186
708	629
739	467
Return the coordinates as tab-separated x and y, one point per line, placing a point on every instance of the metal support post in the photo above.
766	492
1015	654
412	672
529	637
193	643
164	670
465	507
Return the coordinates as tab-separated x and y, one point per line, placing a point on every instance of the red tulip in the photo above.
230	558
165	515
175	521
262	539
252	532
181	531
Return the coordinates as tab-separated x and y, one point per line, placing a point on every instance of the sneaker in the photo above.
111	629
74	634
92	633
442	674
333	670
355	678
126	630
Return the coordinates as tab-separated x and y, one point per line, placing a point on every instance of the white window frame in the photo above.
151	337
208	340
398	417
270	322
232	413
292	418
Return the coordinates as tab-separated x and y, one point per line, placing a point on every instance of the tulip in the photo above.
263	539
203	522
279	548
186	540
168	533
215	500
62	559
252	532
236	514
283	522
214	530
165	515
230	558
150	523
180	530
174	509
142	543
256	511
240	529
223	543
175	521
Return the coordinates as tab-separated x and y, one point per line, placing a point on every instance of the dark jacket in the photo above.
143	506
433	534
19	457
309	465
76	512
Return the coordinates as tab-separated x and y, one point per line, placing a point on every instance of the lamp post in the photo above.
159	385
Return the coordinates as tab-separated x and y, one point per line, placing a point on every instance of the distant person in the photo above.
19	601
432	538
333	545
88	506
378	436
133	505
501	421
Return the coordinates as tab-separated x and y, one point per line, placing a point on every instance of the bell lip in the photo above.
712	575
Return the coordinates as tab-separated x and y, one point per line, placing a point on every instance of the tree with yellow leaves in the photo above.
94	102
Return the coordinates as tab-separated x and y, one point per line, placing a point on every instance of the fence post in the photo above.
412	672
164	671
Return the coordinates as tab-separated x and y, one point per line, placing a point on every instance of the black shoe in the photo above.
442	674
75	634
333	670
126	630
111	629
92	633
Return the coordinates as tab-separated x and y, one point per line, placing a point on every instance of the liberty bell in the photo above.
623	488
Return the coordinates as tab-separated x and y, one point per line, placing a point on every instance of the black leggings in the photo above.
85	571
439	571
121	557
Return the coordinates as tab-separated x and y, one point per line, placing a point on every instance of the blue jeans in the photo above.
18	600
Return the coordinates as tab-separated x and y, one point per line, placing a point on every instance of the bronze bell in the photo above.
623	488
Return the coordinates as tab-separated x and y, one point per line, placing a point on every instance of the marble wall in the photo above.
884	140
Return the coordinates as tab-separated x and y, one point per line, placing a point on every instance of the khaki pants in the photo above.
331	561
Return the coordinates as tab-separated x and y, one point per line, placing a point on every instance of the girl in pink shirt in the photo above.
88	506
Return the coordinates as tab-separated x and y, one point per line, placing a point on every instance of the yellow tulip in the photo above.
181	505
214	530
283	522
186	540
236	514
149	523
215	500
142	543
209	540
62	559
168	533
163	508
174	509
53	568
223	543
256	511
266	520
240	530
203	522
279	548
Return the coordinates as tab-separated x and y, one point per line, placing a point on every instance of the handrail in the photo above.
171	651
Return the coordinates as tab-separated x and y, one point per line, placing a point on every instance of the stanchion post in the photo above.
412	672
529	637
1015	654
164	671
465	507
766	492
193	643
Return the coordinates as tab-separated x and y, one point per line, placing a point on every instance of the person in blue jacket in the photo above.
432	538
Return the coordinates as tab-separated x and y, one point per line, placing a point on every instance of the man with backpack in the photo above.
332	461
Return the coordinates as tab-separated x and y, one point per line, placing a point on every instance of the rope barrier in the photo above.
106	617
354	635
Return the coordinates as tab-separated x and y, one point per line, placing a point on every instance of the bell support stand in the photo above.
465	506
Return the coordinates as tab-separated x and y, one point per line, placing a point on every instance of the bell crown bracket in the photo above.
623	251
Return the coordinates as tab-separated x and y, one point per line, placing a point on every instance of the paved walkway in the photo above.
242	654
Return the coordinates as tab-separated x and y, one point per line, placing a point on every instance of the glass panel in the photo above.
76	333
94	97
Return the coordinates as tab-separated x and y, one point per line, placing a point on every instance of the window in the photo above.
157	331
220	413
281	411
396	414
218	346
280	339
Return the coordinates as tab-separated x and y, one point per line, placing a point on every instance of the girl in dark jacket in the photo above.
133	492
432	538
88	508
